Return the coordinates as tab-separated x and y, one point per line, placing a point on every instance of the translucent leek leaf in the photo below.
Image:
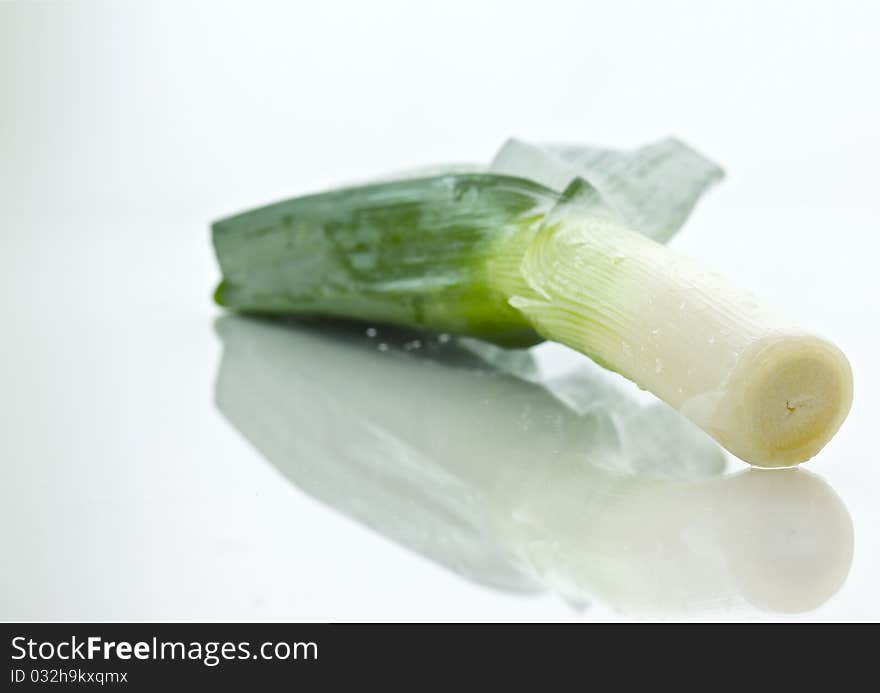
653	188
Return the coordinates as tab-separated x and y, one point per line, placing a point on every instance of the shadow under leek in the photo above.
461	452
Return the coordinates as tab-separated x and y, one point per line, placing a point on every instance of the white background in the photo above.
126	128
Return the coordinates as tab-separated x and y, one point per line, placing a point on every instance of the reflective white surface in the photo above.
160	464
526	484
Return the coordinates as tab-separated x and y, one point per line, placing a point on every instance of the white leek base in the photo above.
770	393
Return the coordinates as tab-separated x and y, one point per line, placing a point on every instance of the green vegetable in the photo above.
512	261
421	253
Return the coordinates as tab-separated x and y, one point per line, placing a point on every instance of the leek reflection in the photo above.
462	453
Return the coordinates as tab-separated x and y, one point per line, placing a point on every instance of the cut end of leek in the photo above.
786	399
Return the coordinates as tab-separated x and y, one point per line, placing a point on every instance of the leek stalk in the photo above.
513	261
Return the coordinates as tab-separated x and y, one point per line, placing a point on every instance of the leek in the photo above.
568	254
